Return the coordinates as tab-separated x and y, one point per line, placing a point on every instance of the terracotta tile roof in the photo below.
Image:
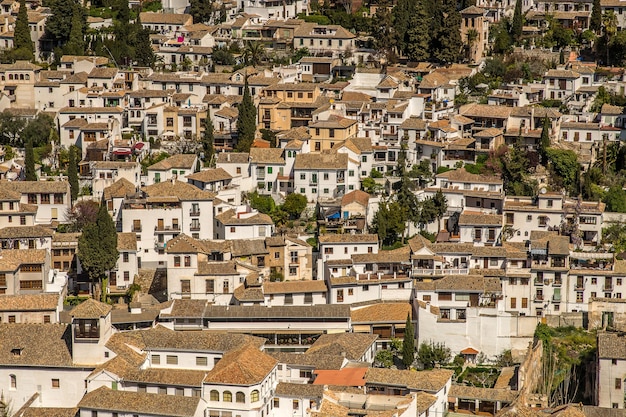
103	72
424	401
115	165
312	360
233	158
429	381
29	302
188	308
272	156
400	255
468	283
217	268
186	244
246	365
470	219
357	196
165	18
285	389
294	312
210	175
484	110
347	377
12	258
491	132
461	175
38	187
229	217
353	345
162	338
556	73
483	394
418	242
121	188
243	293
65	238
130	402
181	190
611	345
18	232
539	112
49	412
185	161
36	344
414	123
473	10
348	238
333	122
434	80
127	241
294	287
611	110
247	247
381	313
90	309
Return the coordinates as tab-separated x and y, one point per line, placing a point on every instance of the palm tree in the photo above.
253	53
609	22
472	36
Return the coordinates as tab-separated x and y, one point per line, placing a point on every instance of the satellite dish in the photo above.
543	190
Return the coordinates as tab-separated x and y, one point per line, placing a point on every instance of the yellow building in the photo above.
283	106
185	122
326	133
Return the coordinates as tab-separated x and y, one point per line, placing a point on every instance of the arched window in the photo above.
215	395
254	396
240	397
227	397
10	76
13	381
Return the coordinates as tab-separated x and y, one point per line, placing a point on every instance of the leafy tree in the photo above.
72	173
76	42
262	203
615	235
384	358
615	199
29	162
208	139
440	205
294	205
11	128
268	135
400	15
609	22
253	53
565	169
223	56
515	165
246	122
59	23
82	214
389	222
37	131
408	344
504	359
447	43
518	21
431	354
370	186
97	248
144	54
595	23
383	32
418	34
22	43
201	10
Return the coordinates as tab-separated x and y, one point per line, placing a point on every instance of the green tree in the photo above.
29	162
564	169
544	141
431	354
440	206
208	140
595	23
294	205
97	248
72	173
400	15
22	43
615	235
76	42
37	131
253	53
383	31
447	43
144	54
417	44
615	199
262	203
201	10
515	166
11	128
609	22
59	23
518	21
389	222
246	122
370	186
384	358
408	343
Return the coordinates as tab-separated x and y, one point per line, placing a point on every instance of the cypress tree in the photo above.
22	44
208	139
408	344
595	23
544	142
447	42
72	173
59	24
401	15
97	248
418	34
29	162
246	122
76	43
144	54
518	21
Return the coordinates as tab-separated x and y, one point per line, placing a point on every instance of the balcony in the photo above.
557	283
194	227
607	287
341	180
538	298
159	245
194	212
136	229
538	281
313	182
167	229
447	271
556	298
579	286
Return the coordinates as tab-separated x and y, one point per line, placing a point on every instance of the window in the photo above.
172	360
296	404
125	257
444	314
276	402
340	296
180	392
156	359
240	397
513	302
185	286
350	291
210	286
214	395
56	383
177	261
460	314
13	381
618	383
227	397
22	220
288	299
201	361
254	396
187	261
524	302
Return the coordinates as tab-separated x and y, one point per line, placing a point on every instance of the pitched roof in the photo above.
119	189
29	344
246	365
49	412
127	241
461	175
166	18
38	187
351	345
106	399
321	161
217	268
210	175
186	161
12	258
286	389
312	360
29	302
90	309
230	217
18	232
469	219
469	283
247	247
181	190
267	156
233	158
429	381
294	287
162	338
348	238
381	312
356	196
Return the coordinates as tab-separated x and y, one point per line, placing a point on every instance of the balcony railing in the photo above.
194	212
136	228
159	245
557	283
447	271
556	298
194	227
538	298
607	287
172	228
